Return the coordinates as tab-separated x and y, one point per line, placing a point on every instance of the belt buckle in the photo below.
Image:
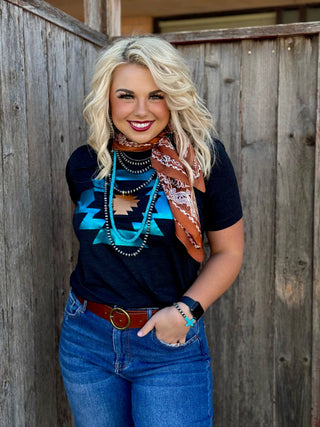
120	310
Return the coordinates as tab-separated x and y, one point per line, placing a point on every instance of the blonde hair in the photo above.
189	120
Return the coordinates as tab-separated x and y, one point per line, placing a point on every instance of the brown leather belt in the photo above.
120	319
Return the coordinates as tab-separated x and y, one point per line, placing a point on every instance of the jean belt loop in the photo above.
84	306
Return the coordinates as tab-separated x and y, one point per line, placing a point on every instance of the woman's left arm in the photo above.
222	267
215	278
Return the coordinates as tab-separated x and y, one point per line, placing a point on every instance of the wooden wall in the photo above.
46	64
263	90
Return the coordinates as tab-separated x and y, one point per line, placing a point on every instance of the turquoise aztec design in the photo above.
89	222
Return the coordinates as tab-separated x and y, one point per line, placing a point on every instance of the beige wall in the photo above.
136	25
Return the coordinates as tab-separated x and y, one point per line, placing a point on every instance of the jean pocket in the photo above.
192	336
74	308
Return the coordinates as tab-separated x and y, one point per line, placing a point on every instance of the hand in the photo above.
169	325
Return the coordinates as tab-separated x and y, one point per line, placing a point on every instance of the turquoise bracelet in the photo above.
190	322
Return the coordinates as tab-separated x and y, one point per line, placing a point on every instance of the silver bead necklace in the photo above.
132	161
147	215
146	163
135	190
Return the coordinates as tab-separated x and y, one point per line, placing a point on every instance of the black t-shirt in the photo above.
163	270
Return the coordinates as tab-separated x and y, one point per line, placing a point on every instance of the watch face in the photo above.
195	307
197	311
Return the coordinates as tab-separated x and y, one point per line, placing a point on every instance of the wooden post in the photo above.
103	16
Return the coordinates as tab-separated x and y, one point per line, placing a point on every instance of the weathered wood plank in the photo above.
316	272
222	90
76	88
222	83
294	229
90	54
233	34
95	14
35	35
17	222
256	290
61	204
5	387
59	18
103	16
194	57
114	18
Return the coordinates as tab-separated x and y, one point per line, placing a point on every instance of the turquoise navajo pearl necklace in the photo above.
109	217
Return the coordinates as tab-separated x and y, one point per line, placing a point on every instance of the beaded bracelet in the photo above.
190	322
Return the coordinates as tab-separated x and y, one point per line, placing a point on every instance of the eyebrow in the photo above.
154	92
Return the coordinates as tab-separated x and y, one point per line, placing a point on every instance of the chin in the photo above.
139	138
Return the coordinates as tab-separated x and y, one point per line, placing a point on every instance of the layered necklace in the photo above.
135	167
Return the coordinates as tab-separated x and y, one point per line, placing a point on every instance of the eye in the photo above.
157	96
125	96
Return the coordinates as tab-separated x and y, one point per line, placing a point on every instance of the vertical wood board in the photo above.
61	205
113	18
103	16
294	229
222	83
91	54
194	58
5	382
17	221
222	89
259	84
35	34
316	270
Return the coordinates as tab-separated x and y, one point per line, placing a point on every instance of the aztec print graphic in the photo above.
90	206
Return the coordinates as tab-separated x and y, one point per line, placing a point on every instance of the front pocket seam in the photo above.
173	346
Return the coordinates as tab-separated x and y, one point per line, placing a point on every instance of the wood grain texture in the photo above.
41	219
316	270
194	57
16	205
294	230
259	88
222	92
222	85
233	34
5	382
59	18
263	91
103	16
61	204
113	18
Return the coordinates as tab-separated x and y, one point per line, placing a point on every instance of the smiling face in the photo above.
138	107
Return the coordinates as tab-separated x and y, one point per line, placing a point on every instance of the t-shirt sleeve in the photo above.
70	181
222	205
79	170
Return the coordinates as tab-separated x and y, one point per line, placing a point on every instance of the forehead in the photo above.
129	76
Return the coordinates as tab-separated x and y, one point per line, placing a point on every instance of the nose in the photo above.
141	107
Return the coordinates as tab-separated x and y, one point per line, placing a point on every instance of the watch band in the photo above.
195	307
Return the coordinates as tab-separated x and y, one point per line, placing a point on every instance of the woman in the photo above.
152	180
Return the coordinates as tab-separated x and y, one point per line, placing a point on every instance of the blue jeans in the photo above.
114	378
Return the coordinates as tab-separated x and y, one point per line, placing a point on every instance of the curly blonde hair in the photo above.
190	120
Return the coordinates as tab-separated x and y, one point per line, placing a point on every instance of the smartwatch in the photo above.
195	307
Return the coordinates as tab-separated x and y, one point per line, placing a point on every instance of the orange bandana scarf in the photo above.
176	185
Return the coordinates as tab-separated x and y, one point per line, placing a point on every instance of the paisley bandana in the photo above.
176	185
